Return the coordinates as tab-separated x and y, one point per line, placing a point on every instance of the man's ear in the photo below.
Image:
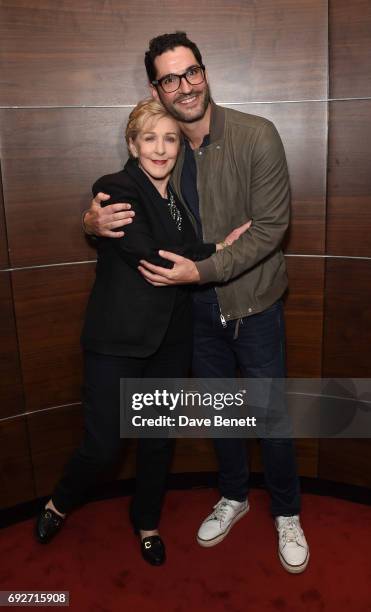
154	92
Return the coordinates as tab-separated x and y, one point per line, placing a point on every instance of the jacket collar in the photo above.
217	122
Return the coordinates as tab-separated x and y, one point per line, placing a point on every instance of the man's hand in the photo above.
183	272
100	221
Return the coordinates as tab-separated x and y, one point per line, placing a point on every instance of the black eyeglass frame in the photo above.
158	82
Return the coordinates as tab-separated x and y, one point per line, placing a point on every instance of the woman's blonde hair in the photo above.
145	109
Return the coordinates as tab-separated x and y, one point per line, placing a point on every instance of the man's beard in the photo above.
184	117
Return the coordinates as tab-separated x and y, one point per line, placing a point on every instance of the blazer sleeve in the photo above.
138	242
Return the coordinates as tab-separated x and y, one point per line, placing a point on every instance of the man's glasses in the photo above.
195	75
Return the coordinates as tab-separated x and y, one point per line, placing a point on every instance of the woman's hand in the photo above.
234	235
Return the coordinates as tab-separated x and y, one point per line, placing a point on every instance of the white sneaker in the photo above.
217	525
293	549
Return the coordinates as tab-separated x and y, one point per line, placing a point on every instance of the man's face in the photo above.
189	102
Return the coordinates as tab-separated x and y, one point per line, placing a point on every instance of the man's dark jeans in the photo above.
257	352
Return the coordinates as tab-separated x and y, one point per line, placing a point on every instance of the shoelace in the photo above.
290	530
220	510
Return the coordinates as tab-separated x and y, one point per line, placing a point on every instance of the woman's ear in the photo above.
132	148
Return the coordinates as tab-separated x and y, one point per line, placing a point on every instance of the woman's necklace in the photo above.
174	211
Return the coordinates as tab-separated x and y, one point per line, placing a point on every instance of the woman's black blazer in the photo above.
126	315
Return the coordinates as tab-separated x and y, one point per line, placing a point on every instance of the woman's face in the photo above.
157	146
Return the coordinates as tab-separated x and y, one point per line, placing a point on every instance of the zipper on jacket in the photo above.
222	318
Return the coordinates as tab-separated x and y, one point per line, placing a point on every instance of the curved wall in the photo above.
71	72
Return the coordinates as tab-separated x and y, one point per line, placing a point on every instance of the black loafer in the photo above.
153	550
48	524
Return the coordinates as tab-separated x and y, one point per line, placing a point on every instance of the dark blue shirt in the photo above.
188	186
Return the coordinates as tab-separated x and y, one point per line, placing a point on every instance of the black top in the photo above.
188	186
126	315
188	182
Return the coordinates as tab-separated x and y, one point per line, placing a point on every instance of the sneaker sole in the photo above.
293	569
219	538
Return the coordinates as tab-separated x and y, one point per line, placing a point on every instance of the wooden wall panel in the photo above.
194	455
11	393
346	461
16	474
62	60
50	305
54	434
349	179
350	48
347	324
91	53
4	261
50	160
303	129
304	316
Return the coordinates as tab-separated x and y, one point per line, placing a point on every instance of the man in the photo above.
232	167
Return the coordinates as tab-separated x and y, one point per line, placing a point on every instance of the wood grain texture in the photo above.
350	48
11	392
4	261
304	316
53	435
347	322
50	305
83	53
16	474
50	160
194	455
87	52
303	130
346	461
349	179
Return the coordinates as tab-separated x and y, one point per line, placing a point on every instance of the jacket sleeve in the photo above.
138	242
270	205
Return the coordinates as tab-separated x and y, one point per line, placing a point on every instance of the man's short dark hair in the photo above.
167	42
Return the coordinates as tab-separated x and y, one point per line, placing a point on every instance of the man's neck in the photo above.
196	131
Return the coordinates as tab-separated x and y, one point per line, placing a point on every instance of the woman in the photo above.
131	328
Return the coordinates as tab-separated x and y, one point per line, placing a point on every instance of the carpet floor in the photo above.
97	559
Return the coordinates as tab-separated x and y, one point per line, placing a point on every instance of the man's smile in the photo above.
188	100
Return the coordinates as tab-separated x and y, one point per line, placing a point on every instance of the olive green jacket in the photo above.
241	175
